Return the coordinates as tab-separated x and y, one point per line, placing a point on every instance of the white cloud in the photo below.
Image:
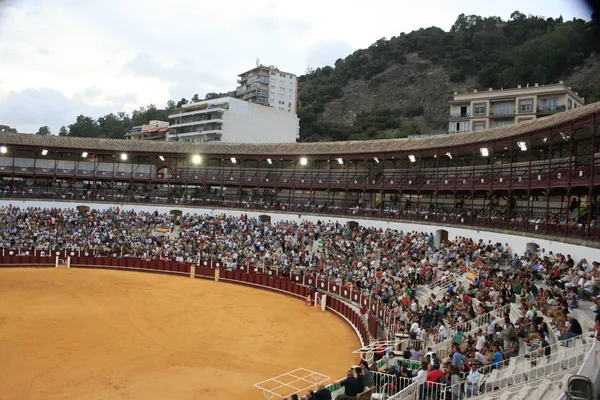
29	109
91	55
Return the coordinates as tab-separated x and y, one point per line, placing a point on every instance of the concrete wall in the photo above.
517	243
253	123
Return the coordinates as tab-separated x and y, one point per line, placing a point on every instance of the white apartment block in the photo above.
270	87
228	119
493	108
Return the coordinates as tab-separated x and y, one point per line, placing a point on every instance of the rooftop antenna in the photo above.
258	62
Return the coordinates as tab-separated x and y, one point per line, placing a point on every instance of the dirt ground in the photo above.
108	335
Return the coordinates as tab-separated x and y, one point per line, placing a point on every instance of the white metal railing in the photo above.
523	370
388	384
590	366
411	392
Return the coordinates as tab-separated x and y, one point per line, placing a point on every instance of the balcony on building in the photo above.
549	106
460	115
199	135
187	112
196	121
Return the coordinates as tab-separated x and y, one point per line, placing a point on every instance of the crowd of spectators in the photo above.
393	207
385	264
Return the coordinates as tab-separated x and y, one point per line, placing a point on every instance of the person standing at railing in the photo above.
455	383
472	381
421	378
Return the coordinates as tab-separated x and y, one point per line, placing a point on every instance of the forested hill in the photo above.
402	85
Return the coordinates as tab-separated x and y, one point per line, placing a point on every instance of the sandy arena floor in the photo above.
107	335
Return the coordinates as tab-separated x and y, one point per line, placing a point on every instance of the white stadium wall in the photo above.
517	243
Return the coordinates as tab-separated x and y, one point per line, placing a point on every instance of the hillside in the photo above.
402	85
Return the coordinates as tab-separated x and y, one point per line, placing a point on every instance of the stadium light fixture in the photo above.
449	155
412	158
123	156
3	150
522	146
161	158
484	151
196	159
269	161
376	160
564	136
233	160
303	161
340	161
44	152
84	154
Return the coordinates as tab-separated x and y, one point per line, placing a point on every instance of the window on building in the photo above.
526	105
504	123
503	108
291	92
549	104
479	109
479	126
570	104
273	73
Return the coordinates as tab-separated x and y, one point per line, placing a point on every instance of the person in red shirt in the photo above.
435	376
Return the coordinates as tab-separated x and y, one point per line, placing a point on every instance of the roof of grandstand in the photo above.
299	149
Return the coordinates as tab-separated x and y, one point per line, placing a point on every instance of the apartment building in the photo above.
493	108
269	86
228	119
153	130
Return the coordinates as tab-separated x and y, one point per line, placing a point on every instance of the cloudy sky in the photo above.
62	58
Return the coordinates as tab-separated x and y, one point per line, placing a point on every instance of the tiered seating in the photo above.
526	375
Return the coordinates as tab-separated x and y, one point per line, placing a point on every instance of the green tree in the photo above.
112	127
85	127
195	98
170	105
63	131
44	130
181	102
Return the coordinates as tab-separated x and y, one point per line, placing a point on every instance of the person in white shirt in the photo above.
491	329
472	381
421	378
391	362
442	332
414	329
480	340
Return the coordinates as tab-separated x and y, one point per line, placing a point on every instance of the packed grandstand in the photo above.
456	316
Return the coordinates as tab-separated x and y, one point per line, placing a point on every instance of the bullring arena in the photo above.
91	334
189	265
